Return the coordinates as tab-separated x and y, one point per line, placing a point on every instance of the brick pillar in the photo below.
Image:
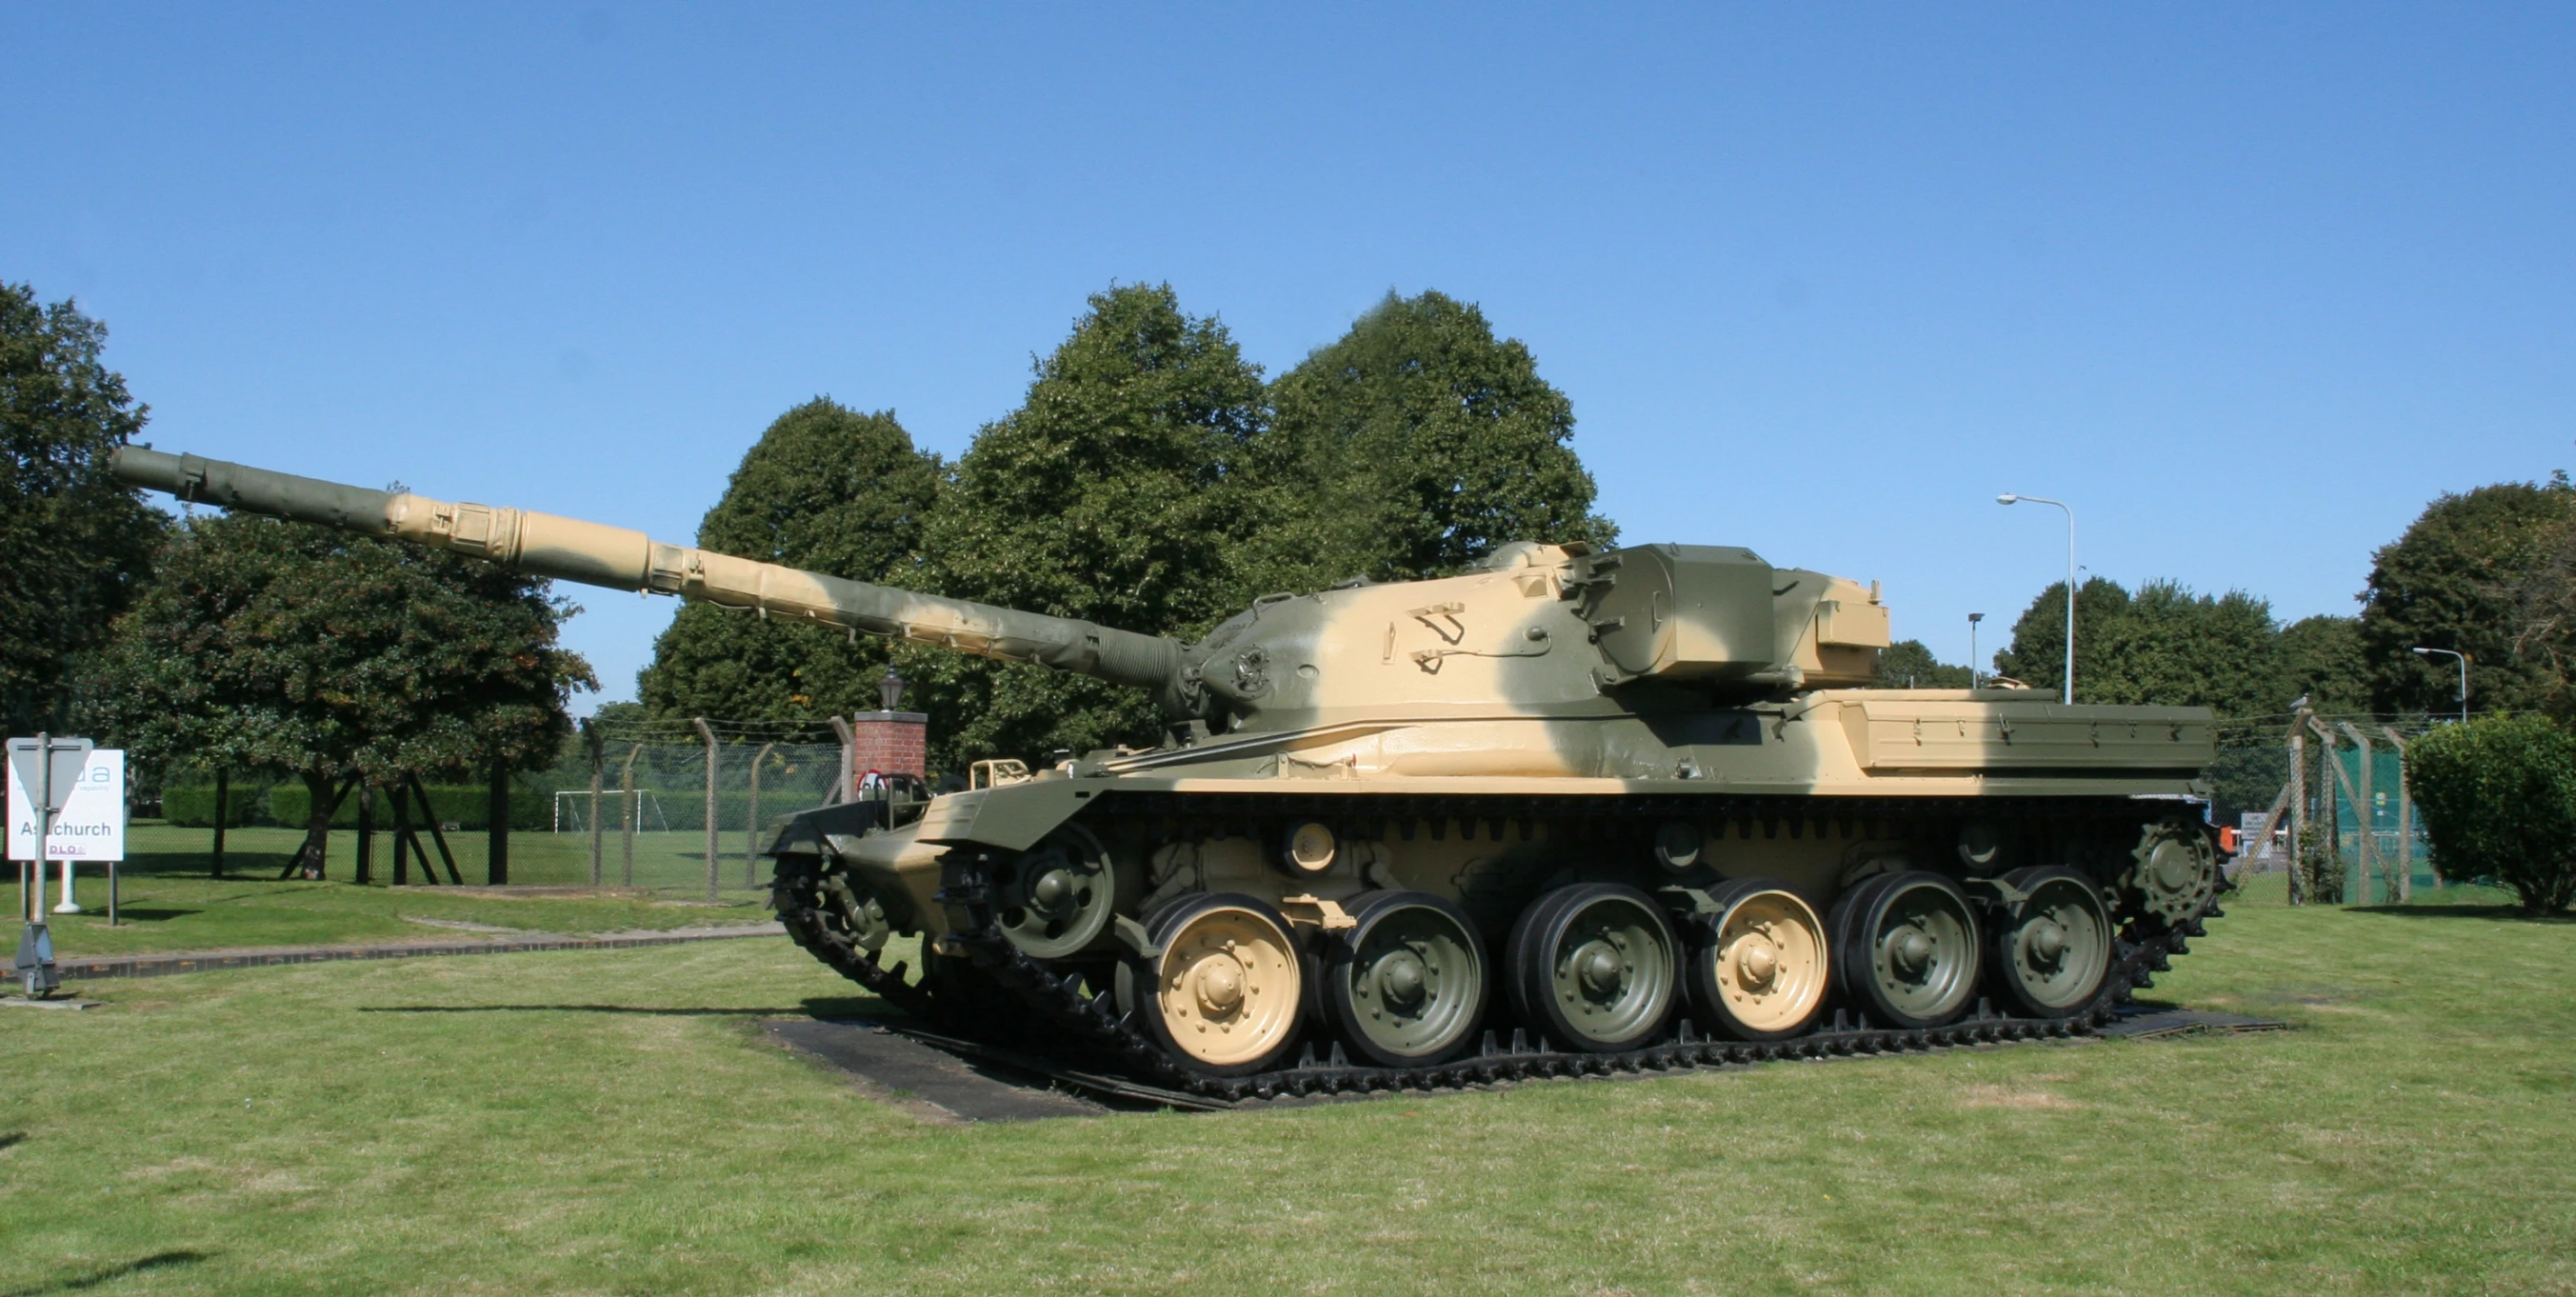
889	743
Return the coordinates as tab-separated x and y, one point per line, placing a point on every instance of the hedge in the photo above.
2498	796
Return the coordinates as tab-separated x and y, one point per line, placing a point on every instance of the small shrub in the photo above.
2498	797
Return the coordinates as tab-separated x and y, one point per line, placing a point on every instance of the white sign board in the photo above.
89	827
2249	834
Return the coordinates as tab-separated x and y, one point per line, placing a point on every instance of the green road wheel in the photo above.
1906	949
1057	897
1594	966
2050	952
1224	996
1406	987
1758	970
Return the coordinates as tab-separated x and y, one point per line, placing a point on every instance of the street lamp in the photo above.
2464	674
1973	619
2009	498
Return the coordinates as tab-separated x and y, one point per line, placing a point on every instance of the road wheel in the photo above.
1057	897
1761	971
1905	949
1407	986
1594	966
2050	952
1227	986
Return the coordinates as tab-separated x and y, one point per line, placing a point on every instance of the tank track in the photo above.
1093	1026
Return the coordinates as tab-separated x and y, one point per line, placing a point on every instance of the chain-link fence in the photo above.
675	805
2321	807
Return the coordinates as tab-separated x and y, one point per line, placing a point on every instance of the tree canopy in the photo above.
2461	578
1413	446
826	489
316	654
74	544
2163	645
1112	494
1909	664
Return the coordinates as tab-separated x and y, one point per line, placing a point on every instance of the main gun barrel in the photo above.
572	550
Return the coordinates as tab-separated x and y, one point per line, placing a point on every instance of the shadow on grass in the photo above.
2499	912
835	1007
156	1261
12	1138
133	914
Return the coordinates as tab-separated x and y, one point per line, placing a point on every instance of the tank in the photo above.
1572	811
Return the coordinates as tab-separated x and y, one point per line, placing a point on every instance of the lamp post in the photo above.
2009	498
1973	619
2464	674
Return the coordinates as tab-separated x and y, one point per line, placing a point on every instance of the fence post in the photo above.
2365	812
2405	821
627	815
598	778
849	761
366	832
2298	805
496	860
751	821
223	812
2334	823
712	846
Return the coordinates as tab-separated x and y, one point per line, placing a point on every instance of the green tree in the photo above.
2498	796
310	653
2459	579
2164	645
1111	494
826	489
1411	448
74	545
1909	664
2320	658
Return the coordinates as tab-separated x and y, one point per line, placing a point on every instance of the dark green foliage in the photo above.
1411	448
74	545
2165	645
826	489
2320	658
2498	797
1909	664
2459	579
312	654
1111	495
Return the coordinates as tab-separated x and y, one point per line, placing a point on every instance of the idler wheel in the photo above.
1226	987
1594	966
1407	986
2051	951
1905	949
1057	897
1760	972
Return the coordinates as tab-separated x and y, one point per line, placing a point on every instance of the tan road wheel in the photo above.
1759	974
1227	987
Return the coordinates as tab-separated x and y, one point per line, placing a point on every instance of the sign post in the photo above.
43	772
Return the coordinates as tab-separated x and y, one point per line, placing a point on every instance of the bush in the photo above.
2498	796
193	806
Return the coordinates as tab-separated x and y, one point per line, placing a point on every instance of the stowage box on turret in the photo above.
1569	811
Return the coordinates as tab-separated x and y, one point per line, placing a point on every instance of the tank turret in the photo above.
1536	626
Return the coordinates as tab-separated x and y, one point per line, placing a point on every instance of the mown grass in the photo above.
614	1122
169	899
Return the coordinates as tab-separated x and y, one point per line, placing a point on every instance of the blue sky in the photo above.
2246	284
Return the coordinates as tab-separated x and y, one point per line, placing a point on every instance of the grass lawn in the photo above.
170	901
613	1122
